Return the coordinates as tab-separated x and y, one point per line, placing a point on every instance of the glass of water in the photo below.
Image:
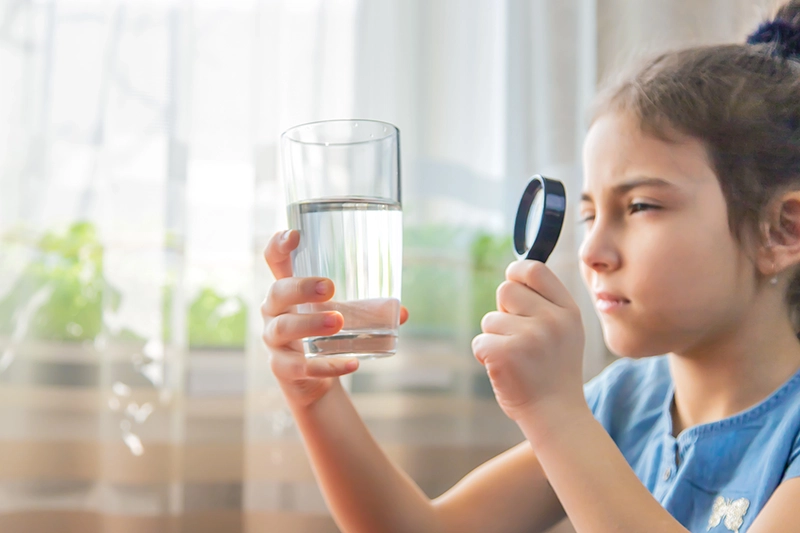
342	182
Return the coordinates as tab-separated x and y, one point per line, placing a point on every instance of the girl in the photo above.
692	249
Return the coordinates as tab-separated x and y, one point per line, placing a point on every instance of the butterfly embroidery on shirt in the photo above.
732	511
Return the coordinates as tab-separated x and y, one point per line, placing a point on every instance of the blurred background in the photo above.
139	185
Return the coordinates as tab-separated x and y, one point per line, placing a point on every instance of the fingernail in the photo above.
285	236
351	365
322	287
329	321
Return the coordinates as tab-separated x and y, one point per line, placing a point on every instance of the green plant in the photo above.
447	268
213	320
60	294
491	254
217	321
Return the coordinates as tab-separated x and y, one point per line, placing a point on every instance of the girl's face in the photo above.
663	268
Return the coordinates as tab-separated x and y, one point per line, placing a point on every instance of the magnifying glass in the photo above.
539	218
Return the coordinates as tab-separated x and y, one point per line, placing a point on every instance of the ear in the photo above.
782	229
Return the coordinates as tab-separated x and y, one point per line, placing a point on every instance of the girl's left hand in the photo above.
532	346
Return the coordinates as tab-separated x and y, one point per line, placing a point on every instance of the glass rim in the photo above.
394	131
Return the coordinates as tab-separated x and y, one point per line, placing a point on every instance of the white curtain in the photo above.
485	94
138	186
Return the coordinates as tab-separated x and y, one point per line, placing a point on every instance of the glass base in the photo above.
359	344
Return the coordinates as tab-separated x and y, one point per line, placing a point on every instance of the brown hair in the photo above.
742	101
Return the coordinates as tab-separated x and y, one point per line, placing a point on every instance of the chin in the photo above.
625	344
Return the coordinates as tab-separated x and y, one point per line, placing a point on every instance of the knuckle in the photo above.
504	290
296	369
476	347
275	296
291	288
476	342
274	357
279	327
535	269
512	267
489	320
271	249
289	291
484	323
274	331
479	347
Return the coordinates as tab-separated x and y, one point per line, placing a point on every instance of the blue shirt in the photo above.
714	477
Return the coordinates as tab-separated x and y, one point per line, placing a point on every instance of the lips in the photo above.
607	302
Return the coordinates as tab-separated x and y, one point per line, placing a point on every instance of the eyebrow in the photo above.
627	186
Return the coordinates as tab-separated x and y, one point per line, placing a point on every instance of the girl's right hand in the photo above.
303	381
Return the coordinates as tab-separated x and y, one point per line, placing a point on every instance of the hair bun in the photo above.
784	36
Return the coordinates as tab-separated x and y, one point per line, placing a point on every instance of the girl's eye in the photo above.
636	207
632	208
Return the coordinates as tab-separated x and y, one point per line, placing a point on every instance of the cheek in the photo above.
681	289
694	283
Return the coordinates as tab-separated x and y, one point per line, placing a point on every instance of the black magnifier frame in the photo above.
555	204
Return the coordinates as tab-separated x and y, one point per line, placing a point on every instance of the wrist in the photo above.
302	398
549	419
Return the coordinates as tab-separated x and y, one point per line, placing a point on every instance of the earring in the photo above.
774	280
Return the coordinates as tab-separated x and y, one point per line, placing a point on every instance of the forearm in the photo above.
364	490
593	481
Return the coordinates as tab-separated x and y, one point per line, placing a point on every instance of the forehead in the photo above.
616	149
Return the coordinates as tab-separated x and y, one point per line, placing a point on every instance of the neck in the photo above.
734	370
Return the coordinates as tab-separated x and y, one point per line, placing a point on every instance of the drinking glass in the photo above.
342	181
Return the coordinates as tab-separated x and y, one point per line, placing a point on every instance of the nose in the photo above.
598	250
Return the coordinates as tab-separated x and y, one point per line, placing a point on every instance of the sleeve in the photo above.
593	390
600	392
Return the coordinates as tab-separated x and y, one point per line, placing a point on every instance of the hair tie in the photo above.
784	35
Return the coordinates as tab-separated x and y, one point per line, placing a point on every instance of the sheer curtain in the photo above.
485	94
139	184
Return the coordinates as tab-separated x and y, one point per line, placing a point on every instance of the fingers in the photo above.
486	344
517	298
403	315
278	250
285	328
294	367
289	363
371	313
499	323
328	367
535	275
287	292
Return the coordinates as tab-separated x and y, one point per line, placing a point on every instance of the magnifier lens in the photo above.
539	218
534	219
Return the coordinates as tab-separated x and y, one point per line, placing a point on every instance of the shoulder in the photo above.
629	381
786	423
629	392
